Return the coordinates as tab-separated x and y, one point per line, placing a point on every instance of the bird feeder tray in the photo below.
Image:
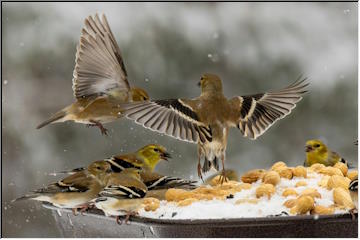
94	224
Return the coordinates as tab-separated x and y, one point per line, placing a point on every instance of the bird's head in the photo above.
210	83
152	154
139	94
132	172
100	169
315	146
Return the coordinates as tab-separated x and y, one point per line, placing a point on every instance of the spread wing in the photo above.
99	67
256	113
172	117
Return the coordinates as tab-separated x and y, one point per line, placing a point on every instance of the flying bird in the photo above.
206	120
100	81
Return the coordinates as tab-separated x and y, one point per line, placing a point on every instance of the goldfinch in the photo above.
318	152
146	158
76	190
123	194
126	191
353	189
100	79
127	183
206	120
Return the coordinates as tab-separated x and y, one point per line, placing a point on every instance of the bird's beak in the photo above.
308	148
165	156
199	84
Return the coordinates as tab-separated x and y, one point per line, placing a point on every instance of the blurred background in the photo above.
166	47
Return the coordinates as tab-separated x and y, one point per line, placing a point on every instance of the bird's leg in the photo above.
84	208
199	165
128	214
118	220
74	211
223	174
100	126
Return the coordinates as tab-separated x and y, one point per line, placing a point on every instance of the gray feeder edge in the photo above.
94	224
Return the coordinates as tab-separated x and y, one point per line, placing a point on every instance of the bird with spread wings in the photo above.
206	120
100	80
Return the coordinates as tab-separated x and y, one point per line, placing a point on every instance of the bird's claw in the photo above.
118	220
223	177
103	130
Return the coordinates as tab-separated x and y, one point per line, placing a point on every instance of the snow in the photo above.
220	209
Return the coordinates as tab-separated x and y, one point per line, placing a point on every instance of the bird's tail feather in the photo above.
25	197
53	118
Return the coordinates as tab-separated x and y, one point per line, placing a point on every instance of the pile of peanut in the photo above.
336	178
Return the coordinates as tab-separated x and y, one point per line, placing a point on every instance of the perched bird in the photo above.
100	79
126	183
353	188
123	194
206	120
145	158
126	192
318	152
76	190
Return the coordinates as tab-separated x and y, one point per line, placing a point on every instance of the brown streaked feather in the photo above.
99	67
256	113
171	117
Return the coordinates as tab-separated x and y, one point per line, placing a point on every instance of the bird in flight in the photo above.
100	80
206	120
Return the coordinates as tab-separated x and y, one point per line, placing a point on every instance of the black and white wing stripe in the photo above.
99	67
353	185
171	117
166	182
123	191
260	111
117	164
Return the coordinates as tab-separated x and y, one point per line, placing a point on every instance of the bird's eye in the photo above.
342	160
98	168
156	150
317	145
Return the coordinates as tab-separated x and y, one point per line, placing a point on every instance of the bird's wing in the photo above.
155	181
99	67
77	182
121	162
172	117
124	186
256	113
334	157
